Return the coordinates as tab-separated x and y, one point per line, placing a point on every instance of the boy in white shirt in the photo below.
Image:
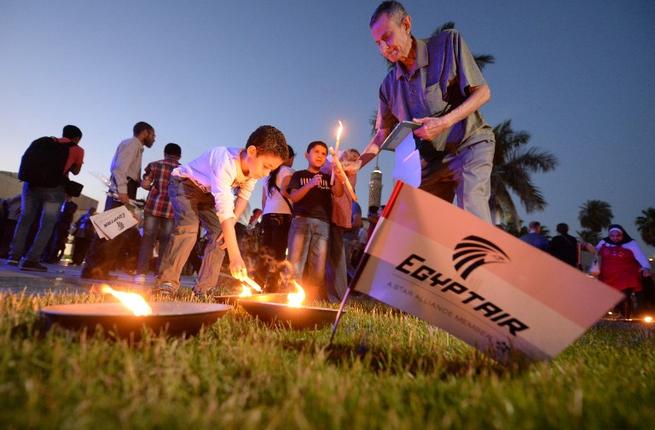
202	191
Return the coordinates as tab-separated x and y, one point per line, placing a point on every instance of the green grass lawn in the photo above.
386	370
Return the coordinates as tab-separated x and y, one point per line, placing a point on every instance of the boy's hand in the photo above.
316	180
238	268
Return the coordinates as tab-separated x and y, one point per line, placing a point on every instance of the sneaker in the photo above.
33	266
11	262
200	295
165	290
139	279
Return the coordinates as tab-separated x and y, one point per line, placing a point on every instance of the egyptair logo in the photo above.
473	252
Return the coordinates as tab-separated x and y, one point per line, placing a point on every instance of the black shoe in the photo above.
12	262
33	266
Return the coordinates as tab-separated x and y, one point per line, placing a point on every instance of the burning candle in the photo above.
336	150
132	301
252	284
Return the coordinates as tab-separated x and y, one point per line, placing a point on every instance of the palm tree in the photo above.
594	216
588	236
646	226
480	60
513	166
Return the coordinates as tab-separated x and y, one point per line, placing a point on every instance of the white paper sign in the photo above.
479	283
113	222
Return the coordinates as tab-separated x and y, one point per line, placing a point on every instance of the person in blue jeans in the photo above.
44	170
311	194
158	220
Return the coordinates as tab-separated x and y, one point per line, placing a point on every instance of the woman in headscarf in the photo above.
622	264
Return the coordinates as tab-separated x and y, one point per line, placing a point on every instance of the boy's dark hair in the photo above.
71	132
173	149
141	126
317	143
562	228
373	210
269	140
392	9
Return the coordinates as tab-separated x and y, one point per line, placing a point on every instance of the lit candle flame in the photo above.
252	284
246	291
339	131
132	301
296	298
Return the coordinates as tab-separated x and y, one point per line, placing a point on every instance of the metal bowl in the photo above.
174	318
273	309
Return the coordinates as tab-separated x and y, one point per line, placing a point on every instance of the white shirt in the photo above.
275	203
218	171
126	164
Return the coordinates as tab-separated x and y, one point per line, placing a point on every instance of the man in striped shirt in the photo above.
158	222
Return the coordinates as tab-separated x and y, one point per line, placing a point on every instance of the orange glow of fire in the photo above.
252	284
648	319
132	301
296	298
246	291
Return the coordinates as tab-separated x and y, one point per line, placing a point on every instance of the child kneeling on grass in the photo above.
311	194
203	191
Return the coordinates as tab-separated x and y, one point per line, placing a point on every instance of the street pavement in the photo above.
61	279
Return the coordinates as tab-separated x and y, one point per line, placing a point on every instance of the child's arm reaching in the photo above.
237	266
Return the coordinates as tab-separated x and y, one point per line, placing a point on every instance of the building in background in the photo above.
375	186
10	186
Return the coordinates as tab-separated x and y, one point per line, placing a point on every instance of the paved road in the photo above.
65	280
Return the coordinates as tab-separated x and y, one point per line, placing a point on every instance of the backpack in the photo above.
43	163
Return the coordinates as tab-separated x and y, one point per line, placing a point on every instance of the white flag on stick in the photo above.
479	283
113	222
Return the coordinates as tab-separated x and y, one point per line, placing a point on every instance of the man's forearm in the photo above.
372	149
477	98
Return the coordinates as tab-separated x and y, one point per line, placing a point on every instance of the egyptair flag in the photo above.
433	260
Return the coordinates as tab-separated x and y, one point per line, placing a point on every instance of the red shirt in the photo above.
158	203
619	268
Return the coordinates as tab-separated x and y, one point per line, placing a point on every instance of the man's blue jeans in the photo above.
36	202
154	227
308	250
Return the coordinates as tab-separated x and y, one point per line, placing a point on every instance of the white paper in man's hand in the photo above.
407	167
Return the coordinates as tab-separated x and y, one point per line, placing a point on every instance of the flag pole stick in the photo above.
360	268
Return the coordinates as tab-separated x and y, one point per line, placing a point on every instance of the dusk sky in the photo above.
574	74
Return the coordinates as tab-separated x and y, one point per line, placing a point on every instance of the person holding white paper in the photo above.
436	83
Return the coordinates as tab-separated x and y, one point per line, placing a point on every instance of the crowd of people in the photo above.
618	261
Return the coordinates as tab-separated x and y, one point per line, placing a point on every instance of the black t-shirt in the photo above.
317	203
565	248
